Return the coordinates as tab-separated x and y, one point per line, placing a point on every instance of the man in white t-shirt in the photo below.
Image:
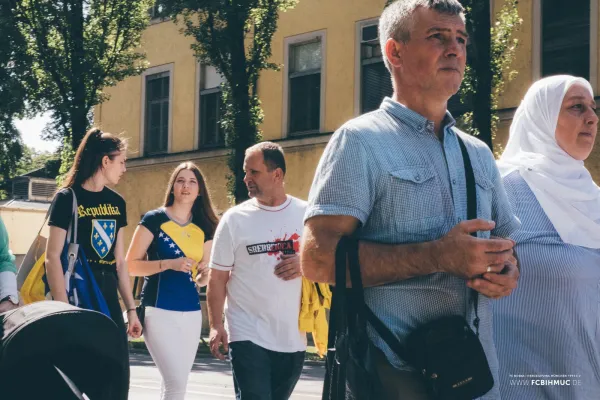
255	273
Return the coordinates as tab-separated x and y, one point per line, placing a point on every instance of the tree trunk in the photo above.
480	28
78	110
79	125
245	131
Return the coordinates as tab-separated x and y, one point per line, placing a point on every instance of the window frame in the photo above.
198	108
320	36
166	68
536	62
358	92
154	19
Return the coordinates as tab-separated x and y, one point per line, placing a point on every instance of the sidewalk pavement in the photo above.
138	346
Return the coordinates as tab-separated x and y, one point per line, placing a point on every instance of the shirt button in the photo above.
420	128
418	178
459	219
454	181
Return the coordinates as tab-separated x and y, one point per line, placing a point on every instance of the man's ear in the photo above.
393	51
279	174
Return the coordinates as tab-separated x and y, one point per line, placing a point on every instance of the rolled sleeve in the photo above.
222	254
344	180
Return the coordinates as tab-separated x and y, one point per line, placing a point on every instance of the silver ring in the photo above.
489	268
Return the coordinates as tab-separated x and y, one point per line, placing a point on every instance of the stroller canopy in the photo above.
84	345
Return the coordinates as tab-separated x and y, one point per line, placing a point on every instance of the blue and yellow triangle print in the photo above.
176	241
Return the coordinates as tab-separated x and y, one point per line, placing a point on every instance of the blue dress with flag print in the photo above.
169	289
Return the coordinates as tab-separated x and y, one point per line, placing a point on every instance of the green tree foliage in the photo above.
33	159
77	48
491	53
235	37
15	80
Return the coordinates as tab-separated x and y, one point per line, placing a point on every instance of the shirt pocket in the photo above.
484	187
417	206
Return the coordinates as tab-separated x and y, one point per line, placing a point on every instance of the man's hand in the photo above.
218	336
497	285
289	267
458	253
7	305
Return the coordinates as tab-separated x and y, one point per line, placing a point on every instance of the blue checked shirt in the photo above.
390	171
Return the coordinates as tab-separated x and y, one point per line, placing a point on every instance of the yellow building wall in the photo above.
144	187
15	219
338	18
163	44
515	90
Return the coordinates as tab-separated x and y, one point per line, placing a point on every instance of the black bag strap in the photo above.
347	256
471	214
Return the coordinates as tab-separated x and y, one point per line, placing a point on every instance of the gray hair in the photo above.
395	21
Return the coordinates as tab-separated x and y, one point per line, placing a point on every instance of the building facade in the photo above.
332	71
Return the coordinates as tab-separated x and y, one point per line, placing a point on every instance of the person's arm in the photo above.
7	259
215	296
136	256
203	270
457	253
8	273
123	272
222	258
9	295
134	327
54	268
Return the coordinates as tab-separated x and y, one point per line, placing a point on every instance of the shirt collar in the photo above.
413	118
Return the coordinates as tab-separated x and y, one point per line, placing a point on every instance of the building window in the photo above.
375	80
157	110
211	107
157	12
565	30
305	62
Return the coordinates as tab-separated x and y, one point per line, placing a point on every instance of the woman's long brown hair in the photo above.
88	159
203	213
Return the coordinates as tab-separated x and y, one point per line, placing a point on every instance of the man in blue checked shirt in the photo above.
396	177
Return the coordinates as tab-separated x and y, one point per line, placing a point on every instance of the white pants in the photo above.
172	337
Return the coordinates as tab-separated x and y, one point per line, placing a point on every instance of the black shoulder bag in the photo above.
446	351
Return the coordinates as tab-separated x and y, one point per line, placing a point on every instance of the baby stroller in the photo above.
52	350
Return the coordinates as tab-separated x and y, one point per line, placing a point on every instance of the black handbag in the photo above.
446	350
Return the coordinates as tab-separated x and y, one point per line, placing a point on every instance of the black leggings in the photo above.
108	283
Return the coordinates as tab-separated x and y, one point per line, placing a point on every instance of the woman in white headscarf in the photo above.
547	332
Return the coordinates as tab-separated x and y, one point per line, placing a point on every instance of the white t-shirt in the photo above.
260	307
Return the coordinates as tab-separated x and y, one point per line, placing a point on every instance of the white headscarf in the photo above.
561	184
